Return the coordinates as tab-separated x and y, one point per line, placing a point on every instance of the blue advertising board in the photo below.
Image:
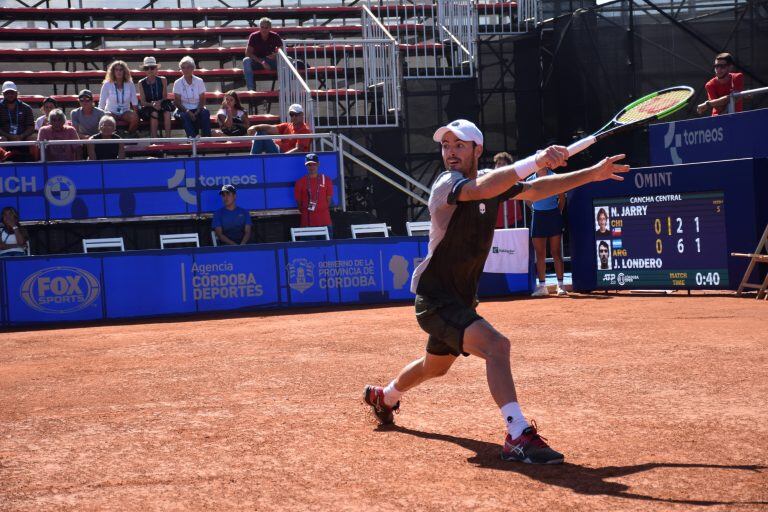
100	286
668	227
711	138
137	188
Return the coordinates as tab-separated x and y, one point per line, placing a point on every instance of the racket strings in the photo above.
654	106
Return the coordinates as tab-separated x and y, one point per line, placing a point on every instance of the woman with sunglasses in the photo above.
118	95
13	240
153	98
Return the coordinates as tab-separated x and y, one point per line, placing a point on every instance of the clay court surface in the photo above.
659	403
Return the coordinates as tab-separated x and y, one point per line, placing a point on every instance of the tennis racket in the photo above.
656	105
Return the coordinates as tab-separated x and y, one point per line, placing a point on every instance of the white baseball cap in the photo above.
463	129
295	109
9	86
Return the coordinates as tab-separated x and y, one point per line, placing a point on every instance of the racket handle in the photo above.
581	145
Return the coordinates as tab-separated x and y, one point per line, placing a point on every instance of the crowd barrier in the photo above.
120	285
711	138
58	191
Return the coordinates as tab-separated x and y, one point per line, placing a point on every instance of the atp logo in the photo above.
60	190
176	180
60	290
301	274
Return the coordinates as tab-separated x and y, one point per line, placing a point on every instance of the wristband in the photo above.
526	166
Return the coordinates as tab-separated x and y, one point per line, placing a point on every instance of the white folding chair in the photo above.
182	238
103	243
214	238
418	228
370	229
310	232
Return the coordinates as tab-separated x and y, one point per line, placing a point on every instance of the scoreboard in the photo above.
668	227
661	241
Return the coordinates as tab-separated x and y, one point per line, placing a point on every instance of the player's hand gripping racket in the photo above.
656	105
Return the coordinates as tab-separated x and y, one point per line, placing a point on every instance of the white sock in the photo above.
560	283
542	283
516	422
391	394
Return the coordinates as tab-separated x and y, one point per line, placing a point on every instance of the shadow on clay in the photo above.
580	479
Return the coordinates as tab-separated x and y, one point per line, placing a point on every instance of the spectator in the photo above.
295	126
57	129
107	126
314	193
46	107
13	239
118	95
86	117
232	118
231	223
189	97
512	207
17	123
547	225
720	87
261	51
153	98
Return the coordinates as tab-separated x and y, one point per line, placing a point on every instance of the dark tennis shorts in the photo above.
546	223
445	321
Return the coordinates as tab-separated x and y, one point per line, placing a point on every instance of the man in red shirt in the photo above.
295	126
314	193
261	51
721	86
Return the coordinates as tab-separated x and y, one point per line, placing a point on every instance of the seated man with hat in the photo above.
86	117
295	126
231	223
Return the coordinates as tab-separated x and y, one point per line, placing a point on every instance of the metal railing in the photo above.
293	89
353	84
383	170
193	142
437	37
743	94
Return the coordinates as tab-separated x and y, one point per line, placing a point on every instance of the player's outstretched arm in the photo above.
502	179
606	169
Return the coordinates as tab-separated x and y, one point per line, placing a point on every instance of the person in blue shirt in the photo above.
231	223
547	225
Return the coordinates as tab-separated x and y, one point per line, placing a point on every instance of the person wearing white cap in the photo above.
17	122
463	205
295	126
153	98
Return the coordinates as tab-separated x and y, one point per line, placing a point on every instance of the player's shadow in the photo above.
580	479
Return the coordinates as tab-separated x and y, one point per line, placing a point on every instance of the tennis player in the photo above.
463	204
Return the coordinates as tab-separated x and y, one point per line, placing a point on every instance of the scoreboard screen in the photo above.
675	240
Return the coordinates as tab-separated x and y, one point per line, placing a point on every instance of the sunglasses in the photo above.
294	114
718	66
150	67
85	99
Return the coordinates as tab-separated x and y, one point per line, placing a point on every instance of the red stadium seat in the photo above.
60	77
224	13
188	33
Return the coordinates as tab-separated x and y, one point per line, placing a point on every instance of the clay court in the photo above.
658	402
